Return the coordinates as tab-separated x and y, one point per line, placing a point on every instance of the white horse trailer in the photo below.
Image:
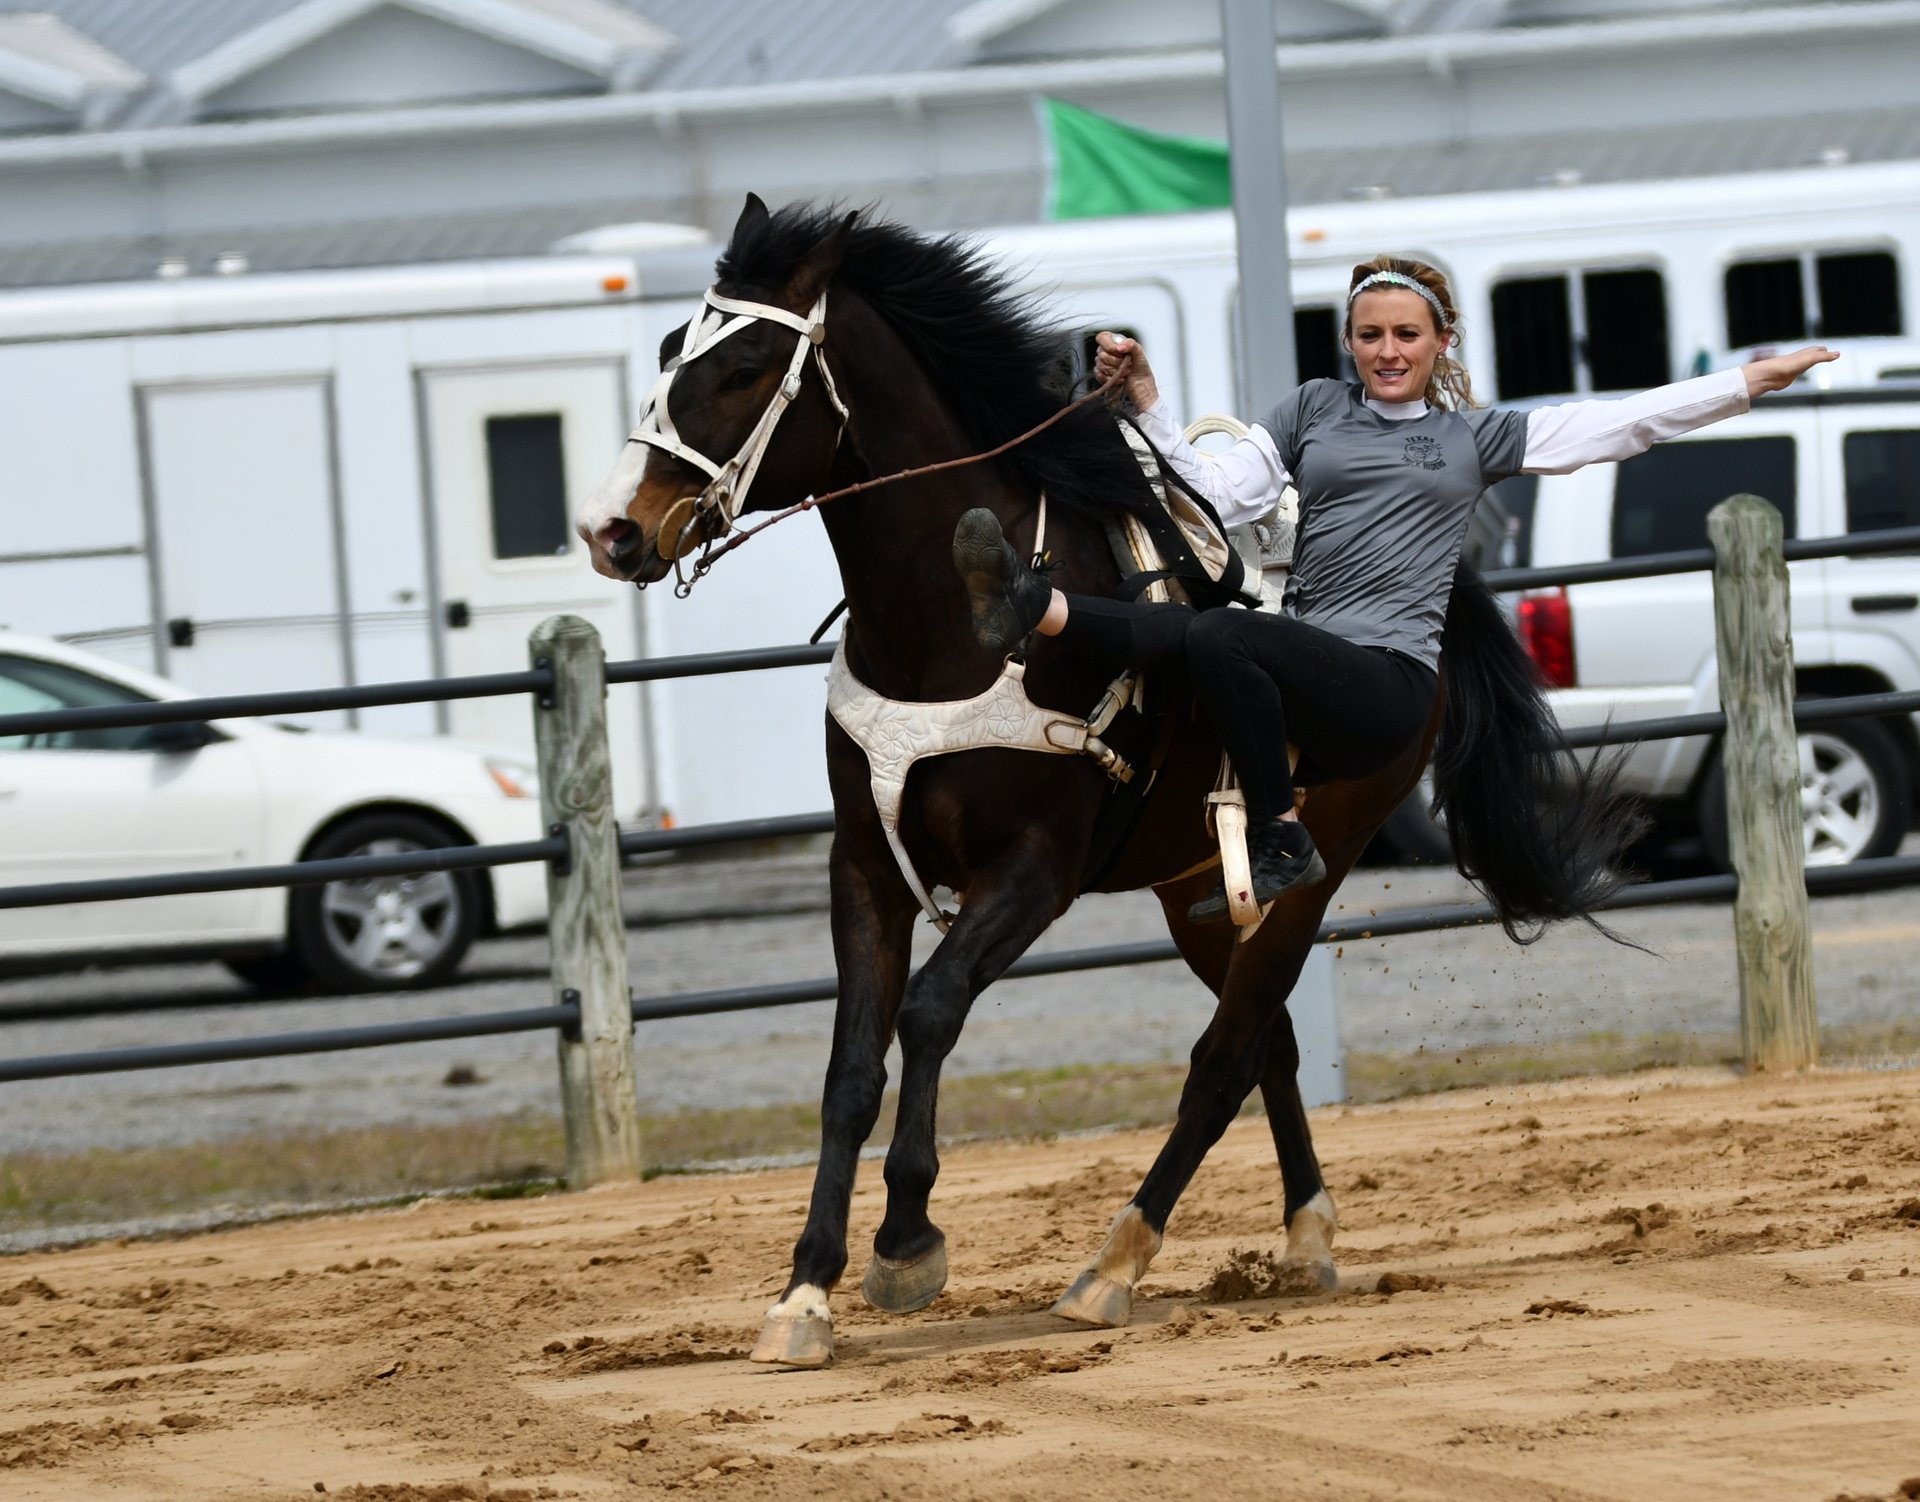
279	482
337	477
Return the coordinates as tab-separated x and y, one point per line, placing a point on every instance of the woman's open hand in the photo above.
1115	354
1781	371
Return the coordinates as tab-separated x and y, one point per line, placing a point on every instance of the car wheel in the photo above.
1413	831
385	933
1854	797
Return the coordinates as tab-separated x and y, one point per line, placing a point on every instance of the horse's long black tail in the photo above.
1539	832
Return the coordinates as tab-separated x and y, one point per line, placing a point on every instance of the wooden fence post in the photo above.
585	928
1772	929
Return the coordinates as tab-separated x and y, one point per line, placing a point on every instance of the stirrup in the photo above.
1227	813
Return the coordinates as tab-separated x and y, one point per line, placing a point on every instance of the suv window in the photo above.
28	685
1883	479
1661	498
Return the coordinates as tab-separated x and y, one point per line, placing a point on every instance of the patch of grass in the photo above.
524	1155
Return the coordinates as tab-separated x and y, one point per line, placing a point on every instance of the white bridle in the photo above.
725	495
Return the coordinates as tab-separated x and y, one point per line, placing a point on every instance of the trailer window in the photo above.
1316	344
1883	479
1625	339
526	475
1611	337
1661	498
1765	302
1532	337
1859	295
1841	295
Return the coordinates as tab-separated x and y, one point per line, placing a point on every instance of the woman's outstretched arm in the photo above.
1563	438
1243	483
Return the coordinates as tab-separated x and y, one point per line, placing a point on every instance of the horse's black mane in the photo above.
999	365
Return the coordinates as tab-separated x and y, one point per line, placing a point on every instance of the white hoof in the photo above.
1308	1264
1103	1294
798	1331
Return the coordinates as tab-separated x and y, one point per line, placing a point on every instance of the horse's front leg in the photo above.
872	931
1008	906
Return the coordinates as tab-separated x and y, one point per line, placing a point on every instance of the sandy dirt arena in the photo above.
1668	1286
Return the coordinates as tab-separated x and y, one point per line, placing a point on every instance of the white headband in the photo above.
1396	279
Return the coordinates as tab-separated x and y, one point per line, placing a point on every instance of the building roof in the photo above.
1316	177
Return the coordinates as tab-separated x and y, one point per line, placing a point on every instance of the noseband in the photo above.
725	495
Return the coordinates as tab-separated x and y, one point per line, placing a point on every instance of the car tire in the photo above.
385	933
1413	831
1856	796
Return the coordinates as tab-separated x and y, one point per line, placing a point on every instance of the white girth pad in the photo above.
894	735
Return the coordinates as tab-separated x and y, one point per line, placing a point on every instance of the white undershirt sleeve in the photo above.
1244	482
1562	438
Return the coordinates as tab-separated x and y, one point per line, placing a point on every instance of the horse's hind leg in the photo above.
1008	906
872	932
1310	1220
1229	1059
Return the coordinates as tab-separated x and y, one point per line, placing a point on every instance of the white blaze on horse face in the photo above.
608	504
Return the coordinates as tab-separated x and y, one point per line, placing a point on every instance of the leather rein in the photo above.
720	503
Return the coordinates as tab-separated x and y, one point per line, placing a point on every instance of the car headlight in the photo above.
515	779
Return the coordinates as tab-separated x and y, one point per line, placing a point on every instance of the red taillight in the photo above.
1546	631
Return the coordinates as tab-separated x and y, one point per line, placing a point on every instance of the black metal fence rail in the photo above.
1699	560
1822	881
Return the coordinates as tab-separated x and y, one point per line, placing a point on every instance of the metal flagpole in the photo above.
1259	165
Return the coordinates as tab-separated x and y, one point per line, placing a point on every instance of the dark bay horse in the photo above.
921	354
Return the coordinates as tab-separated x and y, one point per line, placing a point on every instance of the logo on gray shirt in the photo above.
1424	453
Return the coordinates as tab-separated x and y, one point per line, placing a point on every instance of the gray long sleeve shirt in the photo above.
1386	491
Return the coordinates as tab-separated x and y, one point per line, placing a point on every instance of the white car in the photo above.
85	804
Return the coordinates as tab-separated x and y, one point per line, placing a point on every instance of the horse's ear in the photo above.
817	267
753	215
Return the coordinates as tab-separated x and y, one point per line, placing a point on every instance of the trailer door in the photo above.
244	530
512	452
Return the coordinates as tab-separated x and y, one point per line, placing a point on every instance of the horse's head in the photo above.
711	440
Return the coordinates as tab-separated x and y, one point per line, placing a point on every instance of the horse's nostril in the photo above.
621	537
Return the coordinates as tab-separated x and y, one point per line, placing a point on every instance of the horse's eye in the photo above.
739	380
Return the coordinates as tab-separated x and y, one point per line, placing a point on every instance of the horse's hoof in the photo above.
804	1341
1307	1266
1094	1300
903	1287
1300	1278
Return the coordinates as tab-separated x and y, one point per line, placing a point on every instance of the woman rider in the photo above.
1388	471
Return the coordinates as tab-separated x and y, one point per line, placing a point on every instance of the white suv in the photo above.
83	804
1833	462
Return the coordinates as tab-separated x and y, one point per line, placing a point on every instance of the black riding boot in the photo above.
1008	597
1282	856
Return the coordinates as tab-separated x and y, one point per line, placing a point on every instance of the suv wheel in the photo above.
385	933
1854	796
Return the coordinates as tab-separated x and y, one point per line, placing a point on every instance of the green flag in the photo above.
1099	166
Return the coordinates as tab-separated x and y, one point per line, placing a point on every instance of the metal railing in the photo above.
558	849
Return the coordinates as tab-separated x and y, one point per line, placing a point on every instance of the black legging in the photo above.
1264	679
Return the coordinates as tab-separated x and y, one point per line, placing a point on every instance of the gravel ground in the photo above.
1433	991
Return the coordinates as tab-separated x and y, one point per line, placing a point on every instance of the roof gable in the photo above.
997	30
50	73
337	48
